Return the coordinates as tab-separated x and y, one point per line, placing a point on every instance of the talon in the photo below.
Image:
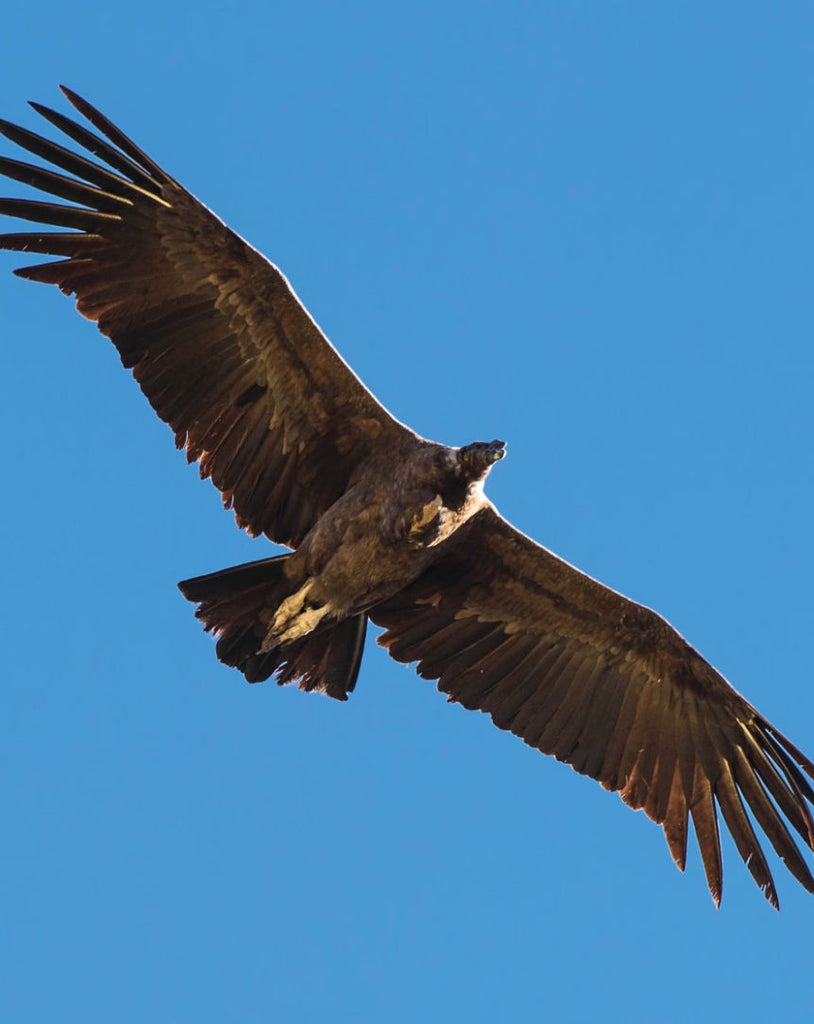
305	623
290	608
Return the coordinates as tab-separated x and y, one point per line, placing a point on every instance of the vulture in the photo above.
383	525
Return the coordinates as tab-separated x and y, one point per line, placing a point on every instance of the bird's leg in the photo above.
290	608
293	619
305	623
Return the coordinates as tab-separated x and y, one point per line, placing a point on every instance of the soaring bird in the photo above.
384	525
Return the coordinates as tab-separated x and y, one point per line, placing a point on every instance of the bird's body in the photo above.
380	536
384	531
384	525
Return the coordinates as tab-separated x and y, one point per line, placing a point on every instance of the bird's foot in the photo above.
294	618
289	609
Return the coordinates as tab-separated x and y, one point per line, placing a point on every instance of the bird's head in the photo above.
477	459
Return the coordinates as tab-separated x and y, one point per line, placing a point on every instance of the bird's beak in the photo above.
497	449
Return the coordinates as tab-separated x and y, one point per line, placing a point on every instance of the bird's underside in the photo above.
303	616
383	525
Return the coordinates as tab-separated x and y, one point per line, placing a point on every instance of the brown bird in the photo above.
385	525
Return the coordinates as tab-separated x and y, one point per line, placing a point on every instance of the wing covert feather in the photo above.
608	686
213	333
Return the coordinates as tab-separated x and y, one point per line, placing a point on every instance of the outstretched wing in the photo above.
605	685
213	332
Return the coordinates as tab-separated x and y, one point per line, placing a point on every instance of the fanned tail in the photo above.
238	604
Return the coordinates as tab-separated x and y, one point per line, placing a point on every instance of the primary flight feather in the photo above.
385	525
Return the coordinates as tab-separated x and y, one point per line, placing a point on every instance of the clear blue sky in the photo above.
582	227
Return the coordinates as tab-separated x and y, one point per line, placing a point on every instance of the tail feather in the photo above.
238	604
226	582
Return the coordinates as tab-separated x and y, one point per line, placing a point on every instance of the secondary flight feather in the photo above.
384	525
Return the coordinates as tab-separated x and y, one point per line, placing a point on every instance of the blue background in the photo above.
582	227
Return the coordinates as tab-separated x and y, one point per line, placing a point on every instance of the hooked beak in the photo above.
479	457
497	449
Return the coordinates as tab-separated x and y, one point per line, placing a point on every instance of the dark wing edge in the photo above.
216	338
578	671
